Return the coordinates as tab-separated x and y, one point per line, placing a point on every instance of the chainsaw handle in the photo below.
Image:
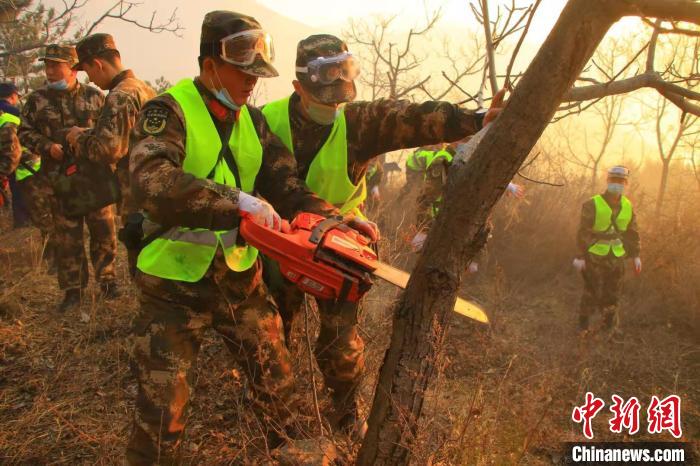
322	228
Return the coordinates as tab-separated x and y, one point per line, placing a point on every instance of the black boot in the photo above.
109	290
71	301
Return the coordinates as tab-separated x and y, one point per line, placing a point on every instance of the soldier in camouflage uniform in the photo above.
192	274
108	141
607	235
47	116
333	144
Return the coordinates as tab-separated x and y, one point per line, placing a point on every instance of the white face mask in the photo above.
616	188
222	94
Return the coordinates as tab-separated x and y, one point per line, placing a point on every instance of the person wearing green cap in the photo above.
108	141
199	159
333	139
48	114
607	235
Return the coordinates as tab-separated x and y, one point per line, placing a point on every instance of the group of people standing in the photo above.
190	163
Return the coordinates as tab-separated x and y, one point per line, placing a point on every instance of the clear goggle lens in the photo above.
243	47
326	70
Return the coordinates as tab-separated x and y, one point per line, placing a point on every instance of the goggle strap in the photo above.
302	69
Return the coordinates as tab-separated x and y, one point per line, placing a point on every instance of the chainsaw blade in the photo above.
400	278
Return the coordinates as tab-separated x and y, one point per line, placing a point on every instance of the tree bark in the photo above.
420	317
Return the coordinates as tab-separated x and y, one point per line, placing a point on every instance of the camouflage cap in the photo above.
60	53
220	24
92	46
324	45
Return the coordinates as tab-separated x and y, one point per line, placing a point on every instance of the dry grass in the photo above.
506	393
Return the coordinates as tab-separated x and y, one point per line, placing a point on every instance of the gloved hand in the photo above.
580	264
637	265
473	267
366	227
259	211
516	190
375	193
418	240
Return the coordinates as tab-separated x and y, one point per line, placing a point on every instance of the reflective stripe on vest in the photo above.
8	118
185	254
603	226
21	172
328	173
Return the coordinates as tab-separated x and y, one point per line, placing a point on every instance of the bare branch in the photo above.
531	15
674	29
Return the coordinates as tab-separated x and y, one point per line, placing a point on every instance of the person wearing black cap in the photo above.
46	117
198	159
108	141
333	144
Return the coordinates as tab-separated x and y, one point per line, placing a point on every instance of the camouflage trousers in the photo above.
72	263
339	348
168	332
41	204
602	286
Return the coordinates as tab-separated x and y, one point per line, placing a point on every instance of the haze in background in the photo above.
155	55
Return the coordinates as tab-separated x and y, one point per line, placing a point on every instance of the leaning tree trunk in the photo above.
420	317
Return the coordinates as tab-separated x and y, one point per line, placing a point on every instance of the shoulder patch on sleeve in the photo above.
155	119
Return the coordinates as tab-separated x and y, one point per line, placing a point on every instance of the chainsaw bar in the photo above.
400	278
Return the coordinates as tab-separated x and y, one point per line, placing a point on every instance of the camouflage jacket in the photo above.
48	114
374	128
586	237
108	140
172	197
10	150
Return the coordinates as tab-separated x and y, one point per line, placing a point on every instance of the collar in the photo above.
612	199
121	77
218	110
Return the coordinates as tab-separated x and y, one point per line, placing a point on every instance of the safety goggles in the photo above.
242	48
326	70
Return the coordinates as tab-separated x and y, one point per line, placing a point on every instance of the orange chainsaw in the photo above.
326	258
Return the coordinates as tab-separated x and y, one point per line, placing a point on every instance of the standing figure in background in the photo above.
607	235
48	114
9	101
430	197
108	141
23	168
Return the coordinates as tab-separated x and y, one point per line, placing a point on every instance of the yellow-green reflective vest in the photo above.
418	160
328	173
185	254
21	172
437	155
609	234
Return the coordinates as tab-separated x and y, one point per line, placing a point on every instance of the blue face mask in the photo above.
616	188
61	85
223	96
323	114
